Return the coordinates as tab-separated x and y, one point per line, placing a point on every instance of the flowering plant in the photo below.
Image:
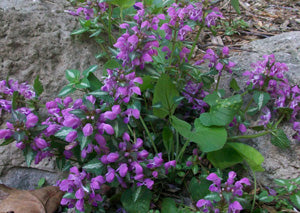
133	130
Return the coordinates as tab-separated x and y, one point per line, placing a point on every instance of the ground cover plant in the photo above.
157	124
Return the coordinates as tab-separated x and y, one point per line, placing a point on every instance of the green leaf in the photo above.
63	132
66	90
41	182
280	139
69	195
100	55
198	188
94	166
79	31
95	84
295	198
265	197
234	85
29	155
136	200
79	113
7	141
168	206
19	136
165	93
98	93
89	70
111	64
208	138
222	111
281	182
96	33
236	5
225	157
123	3
73	75
37	86
261	98
148	83
250	155
15	97
84	83
182	127
167	135
84	141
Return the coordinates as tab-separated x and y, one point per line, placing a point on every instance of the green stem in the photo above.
177	143
110	36
148	133
182	150
249	136
254	196
279	121
218	81
173	46
195	42
248	105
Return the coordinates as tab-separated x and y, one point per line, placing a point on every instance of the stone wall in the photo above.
35	40
286	48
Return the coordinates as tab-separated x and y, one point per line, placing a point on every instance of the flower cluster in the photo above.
217	61
121	86
232	187
268	76
8	88
130	164
90	9
194	94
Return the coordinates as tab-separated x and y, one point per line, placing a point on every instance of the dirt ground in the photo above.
257	20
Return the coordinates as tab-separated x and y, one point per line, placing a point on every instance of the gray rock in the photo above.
35	40
286	48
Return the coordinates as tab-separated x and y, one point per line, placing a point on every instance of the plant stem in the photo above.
177	143
280	119
195	42
249	136
182	150
255	186
148	133
248	105
110	36
218	81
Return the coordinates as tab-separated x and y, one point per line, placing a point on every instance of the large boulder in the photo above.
35	40
286	48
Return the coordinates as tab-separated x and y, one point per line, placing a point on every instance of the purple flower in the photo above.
265	118
205	205
20	145
123	169
71	136
169	164
87	130
5	133
211	18
235	207
231	177
112	157
31	120
225	51
110	175
80	205
79	194
131	112
183	54
214	178
40	143
183	31
71	121
242	128
107	128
